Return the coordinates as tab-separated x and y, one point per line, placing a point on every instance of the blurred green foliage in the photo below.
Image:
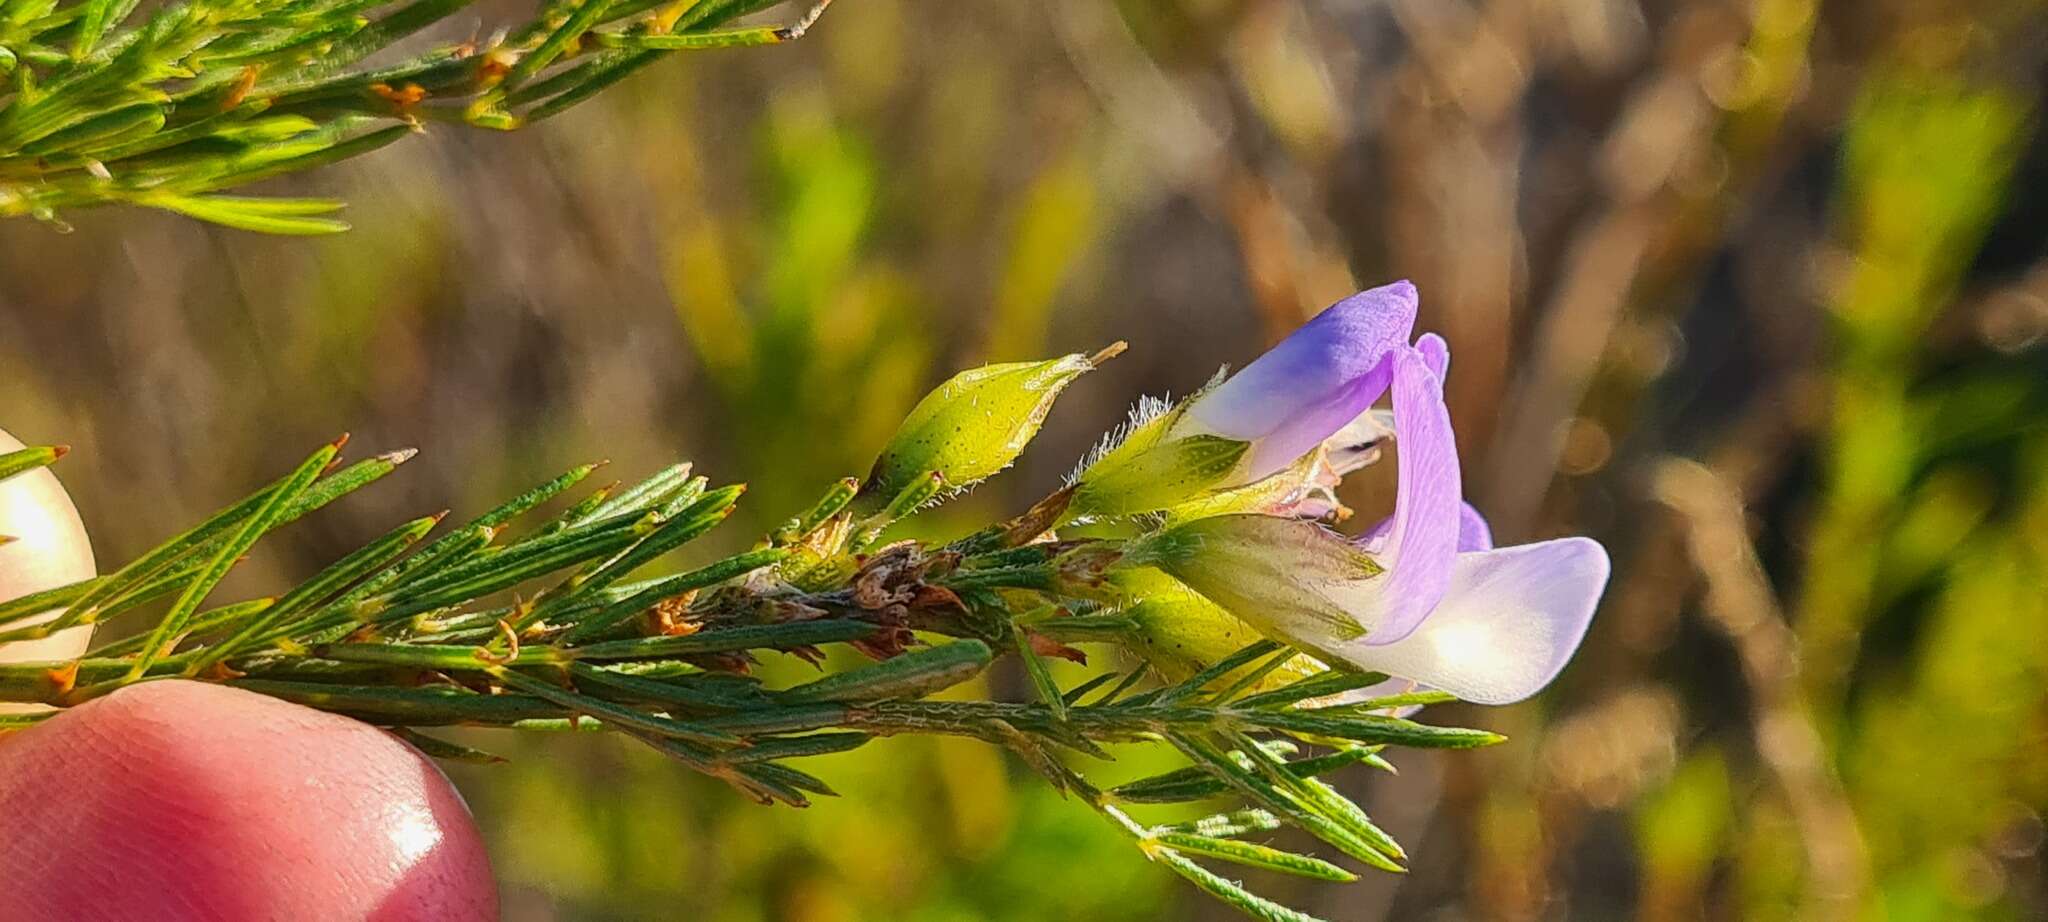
1798	243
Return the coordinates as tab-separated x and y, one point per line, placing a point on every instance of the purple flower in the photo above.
1220	451
1289	400
1423	596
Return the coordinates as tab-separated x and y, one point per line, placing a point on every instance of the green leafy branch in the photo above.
540	615
103	104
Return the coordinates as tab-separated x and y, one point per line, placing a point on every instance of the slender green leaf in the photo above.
267	514
1041	676
908	675
270	216
1254	855
721	640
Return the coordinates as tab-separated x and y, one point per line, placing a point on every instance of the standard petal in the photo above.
1510	621
1316	380
1305	426
1423	540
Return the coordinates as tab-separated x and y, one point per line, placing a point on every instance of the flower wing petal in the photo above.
1473	532
1508	624
1436	353
1423	540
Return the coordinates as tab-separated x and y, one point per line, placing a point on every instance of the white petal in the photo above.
1511	620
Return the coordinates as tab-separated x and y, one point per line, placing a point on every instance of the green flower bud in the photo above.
975	424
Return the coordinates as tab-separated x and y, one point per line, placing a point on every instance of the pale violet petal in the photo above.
1419	547
1374	540
1437	353
1308	423
1510	621
1473	532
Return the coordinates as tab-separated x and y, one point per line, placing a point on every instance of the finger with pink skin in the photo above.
180	800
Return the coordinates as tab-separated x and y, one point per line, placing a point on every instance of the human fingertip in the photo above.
179	800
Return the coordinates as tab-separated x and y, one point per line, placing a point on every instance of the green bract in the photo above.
973	425
1149	472
1270	496
1275	573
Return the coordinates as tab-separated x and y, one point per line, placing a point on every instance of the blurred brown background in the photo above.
1752	290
